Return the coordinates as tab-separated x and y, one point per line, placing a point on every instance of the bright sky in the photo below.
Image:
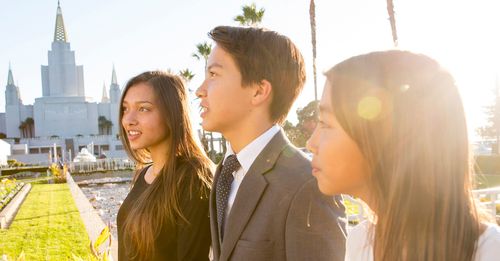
144	35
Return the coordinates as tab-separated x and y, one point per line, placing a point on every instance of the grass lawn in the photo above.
487	181
47	227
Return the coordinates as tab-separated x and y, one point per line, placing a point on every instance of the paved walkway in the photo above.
92	221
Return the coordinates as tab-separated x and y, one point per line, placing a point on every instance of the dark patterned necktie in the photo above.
223	188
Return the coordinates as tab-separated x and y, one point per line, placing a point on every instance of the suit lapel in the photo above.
249	193
213	216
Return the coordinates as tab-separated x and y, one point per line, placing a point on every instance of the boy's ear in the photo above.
262	92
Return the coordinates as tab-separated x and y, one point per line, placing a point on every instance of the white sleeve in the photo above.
358	245
488	244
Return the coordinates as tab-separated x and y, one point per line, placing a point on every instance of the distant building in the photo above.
63	115
4	152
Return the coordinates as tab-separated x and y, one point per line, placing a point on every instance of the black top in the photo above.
175	242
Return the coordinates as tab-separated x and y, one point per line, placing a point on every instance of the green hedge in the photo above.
487	164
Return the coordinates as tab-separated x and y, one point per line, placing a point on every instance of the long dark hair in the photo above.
406	116
186	163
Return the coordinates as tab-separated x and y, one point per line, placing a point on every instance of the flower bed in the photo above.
8	189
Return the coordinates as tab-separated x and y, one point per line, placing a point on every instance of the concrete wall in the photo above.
3	126
41	159
39	148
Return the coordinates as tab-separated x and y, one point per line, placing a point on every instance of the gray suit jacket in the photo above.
279	213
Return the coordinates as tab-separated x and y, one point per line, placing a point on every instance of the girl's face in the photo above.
338	164
142	119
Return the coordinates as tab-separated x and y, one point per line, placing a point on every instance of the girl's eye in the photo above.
143	109
212	74
124	109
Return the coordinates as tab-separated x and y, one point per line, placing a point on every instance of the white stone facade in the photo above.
4	152
63	110
63	115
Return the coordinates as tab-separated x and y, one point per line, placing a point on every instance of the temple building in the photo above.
63	115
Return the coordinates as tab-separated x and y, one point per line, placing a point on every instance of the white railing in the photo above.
101	165
489	198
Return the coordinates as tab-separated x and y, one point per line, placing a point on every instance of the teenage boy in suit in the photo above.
264	204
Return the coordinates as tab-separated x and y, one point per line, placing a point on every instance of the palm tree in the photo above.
203	51
104	125
312	19
392	20
22	128
250	17
108	127
30	126
186	74
26	128
100	123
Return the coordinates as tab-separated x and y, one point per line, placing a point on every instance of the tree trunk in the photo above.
312	17
392	20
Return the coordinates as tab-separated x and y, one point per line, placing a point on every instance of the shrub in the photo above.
218	157
97	254
58	174
8	189
14	163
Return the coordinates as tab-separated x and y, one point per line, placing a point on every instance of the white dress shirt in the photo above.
246	157
359	245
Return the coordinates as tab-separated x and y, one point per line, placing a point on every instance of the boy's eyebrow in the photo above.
214	65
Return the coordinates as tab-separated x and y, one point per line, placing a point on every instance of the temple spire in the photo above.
105	98
113	76
10	79
60	31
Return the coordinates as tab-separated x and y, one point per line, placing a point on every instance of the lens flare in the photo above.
369	108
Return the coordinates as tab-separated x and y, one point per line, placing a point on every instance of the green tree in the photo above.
186	74
312	20
392	20
105	125
492	128
22	129
27	128
203	50
30	127
294	135
251	16
307	121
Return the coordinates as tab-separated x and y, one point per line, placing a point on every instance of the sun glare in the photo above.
369	108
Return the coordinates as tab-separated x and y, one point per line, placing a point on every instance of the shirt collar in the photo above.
249	153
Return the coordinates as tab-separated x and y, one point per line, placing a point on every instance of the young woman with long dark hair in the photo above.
392	132
165	215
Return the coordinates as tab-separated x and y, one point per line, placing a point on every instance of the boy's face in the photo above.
225	103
